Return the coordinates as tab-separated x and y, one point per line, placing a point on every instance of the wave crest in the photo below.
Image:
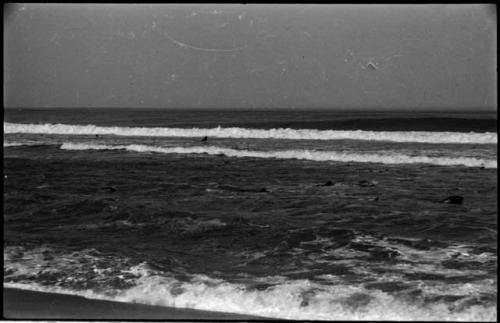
393	158
296	299
281	133
96	275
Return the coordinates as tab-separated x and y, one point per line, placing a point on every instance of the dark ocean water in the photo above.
307	224
323	120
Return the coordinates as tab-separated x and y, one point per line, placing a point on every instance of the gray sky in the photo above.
250	56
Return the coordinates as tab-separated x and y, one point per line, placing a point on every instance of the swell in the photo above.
235	132
393	158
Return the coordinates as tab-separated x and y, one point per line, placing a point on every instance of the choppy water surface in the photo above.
174	221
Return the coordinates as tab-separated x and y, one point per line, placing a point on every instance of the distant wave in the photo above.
294	154
16	144
13	144
298	134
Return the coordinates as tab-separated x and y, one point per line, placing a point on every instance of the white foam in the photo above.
15	144
295	299
12	144
286	299
234	132
393	158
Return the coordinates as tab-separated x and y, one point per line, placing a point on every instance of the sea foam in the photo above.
16	144
13	144
393	158
283	298
281	133
291	299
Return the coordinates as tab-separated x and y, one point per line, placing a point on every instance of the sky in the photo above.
295	56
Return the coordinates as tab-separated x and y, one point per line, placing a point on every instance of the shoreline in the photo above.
26	304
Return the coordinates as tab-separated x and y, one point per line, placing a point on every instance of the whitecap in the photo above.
235	132
335	156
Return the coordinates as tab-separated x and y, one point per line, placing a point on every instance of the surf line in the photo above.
280	133
334	156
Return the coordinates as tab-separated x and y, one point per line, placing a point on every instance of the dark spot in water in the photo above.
328	183
8	271
336	270
454	199
415	294
120	283
365	183
454	264
295	238
306	297
384	254
261	286
238	220
424	276
47	255
341	237
443	298
376	253
387	286
243	189
482	300
424	244
48	277
109	189
38	196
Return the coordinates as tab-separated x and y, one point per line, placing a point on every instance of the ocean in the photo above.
285	214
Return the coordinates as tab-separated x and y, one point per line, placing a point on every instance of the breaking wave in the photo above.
16	144
12	144
393	158
281	133
90	274
288	300
436	291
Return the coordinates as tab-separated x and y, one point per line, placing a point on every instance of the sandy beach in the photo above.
24	304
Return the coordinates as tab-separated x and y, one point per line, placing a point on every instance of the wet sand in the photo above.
24	304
